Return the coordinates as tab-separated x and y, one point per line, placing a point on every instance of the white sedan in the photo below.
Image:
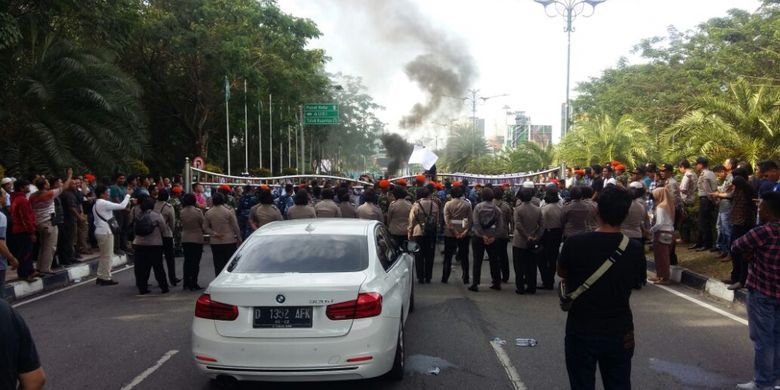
308	300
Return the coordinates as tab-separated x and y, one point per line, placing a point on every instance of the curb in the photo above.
19	289
709	286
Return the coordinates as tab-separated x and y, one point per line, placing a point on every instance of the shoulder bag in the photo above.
567	298
112	223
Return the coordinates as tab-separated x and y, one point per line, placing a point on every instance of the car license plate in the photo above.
282	317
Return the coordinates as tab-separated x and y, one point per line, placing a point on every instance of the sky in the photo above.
517	50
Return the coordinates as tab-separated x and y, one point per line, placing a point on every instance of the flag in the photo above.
227	89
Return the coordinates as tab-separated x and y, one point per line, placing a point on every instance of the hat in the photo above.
225	187
579	172
505	185
177	190
636	184
528	184
89	177
420	179
384	184
620	167
7	180
611	181
402	182
456	184
302	186
265	187
614	163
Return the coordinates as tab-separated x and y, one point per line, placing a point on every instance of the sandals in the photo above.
662	282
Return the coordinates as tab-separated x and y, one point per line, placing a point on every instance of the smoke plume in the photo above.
444	70
398	150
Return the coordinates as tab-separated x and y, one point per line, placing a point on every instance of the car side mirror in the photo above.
411	247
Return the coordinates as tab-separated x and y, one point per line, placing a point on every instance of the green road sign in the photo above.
321	114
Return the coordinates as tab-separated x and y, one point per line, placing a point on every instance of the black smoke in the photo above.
398	151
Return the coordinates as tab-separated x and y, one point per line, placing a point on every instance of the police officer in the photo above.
423	220
457	223
327	208
486	218
398	215
502	234
348	209
266	211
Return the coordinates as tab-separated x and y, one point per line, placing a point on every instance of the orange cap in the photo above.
402	182
265	187
456	184
419	179
177	190
384	184
225	187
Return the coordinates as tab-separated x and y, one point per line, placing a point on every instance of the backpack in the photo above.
429	223
143	225
489	214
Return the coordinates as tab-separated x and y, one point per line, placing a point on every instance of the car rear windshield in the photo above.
302	254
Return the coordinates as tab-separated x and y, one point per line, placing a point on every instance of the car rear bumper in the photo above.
297	359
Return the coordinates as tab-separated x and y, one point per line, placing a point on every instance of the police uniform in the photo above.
486	218
527	226
348	210
398	219
457	220
421	211
327	208
502	238
370	211
264	214
301	212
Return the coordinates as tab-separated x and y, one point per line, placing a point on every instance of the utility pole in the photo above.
271	134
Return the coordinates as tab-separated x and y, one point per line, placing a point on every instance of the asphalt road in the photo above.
92	337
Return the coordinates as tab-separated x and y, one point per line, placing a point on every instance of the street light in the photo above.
569	10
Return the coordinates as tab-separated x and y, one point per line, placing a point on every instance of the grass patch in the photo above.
704	263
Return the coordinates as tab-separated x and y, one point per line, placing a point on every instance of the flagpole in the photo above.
260	133
227	121
246	134
271	133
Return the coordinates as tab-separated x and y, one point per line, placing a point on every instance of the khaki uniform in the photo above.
420	210
301	212
263	214
528	224
348	210
327	209
577	217
370	211
398	217
457	217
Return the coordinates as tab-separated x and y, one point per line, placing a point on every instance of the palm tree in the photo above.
464	146
530	156
595	140
743	123
68	106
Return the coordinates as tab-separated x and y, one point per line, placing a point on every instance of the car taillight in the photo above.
366	305
210	310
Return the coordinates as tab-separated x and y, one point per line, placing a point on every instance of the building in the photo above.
523	130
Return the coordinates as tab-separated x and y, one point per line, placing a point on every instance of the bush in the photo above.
259	172
213	168
289	171
138	167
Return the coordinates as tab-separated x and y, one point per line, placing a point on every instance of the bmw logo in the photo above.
280	298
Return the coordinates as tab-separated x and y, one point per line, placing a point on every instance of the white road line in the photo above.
149	371
514	377
705	305
31	300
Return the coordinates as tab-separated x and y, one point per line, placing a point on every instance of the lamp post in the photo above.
569	10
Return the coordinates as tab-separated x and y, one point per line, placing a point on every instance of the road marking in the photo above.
705	305
149	371
514	377
31	300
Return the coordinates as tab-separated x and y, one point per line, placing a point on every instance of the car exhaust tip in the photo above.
226	382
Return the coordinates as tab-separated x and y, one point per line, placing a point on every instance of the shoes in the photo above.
753	386
473	288
735	286
143	292
544	287
714	250
465	280
174	281
421	281
662	282
427	281
519	292
444	281
694	247
496	287
653	279
164	290
197	287
104	282
505	280
701	249
530	291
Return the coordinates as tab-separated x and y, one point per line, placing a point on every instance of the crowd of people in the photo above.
566	227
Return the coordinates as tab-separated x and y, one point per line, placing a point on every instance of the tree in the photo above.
599	139
63	101
463	146
743	123
530	156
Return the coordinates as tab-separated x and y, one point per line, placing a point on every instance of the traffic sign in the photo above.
321	114
199	163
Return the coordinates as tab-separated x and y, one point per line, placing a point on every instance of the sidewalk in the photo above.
16	289
706	284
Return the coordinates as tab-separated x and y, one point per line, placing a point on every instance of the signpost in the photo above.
321	114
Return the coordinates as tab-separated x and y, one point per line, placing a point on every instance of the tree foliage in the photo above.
599	139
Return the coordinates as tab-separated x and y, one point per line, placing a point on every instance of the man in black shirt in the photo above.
600	327
18	357
71	214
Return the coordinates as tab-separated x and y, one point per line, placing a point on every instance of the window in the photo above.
385	249
302	253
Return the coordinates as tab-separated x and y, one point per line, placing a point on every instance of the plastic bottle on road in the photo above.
525	342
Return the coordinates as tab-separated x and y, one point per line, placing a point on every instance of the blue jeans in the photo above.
764	327
724	232
612	354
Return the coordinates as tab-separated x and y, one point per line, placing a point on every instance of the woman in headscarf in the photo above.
663	234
